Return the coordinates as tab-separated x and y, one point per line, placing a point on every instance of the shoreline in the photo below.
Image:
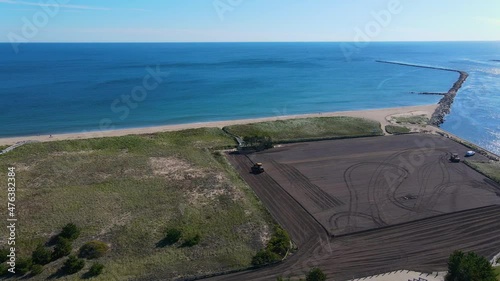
444	105
372	114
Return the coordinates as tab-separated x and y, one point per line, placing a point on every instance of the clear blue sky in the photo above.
249	20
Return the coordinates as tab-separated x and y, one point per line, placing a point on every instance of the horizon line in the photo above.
163	42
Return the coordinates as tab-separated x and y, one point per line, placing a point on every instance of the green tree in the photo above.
264	257
73	265
95	270
315	274
280	242
70	232
41	255
23	265
93	250
62	248
469	266
3	254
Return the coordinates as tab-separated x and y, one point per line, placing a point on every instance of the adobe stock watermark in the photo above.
222	7
372	29
123	105
32	26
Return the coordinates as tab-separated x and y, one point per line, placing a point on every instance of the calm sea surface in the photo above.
59	88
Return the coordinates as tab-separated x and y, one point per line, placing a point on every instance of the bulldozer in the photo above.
454	158
257	168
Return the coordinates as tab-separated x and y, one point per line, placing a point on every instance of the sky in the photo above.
248	20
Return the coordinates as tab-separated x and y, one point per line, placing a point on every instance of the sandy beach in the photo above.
379	115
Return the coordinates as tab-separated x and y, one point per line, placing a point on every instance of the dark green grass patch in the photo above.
309	129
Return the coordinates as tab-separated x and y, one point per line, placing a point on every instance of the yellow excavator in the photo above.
257	168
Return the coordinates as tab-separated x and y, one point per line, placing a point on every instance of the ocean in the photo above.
60	88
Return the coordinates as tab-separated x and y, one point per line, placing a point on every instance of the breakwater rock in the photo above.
444	105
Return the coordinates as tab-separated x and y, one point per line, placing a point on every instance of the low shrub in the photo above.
36	269
264	257
275	250
315	274
3	254
70	232
23	265
96	269
73	265
41	255
192	241
63	248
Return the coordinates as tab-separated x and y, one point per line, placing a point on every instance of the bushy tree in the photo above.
93	250
41	255
280	242
96	269
62	248
264	257
73	265
192	241
315	274
469	266
23	265
70	232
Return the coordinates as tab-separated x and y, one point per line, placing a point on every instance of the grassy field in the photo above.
394	130
309	128
490	169
126	191
415	120
497	271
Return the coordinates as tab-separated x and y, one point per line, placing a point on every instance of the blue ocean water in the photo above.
59	88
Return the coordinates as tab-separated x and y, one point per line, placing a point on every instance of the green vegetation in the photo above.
497	272
469	266
73	265
95	270
23	265
308	129
491	169
315	274
41	255
258	142
4	269
2	147
396	130
276	248
70	232
173	236
63	248
3	255
36	269
191	241
125	191
415	120
93	250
